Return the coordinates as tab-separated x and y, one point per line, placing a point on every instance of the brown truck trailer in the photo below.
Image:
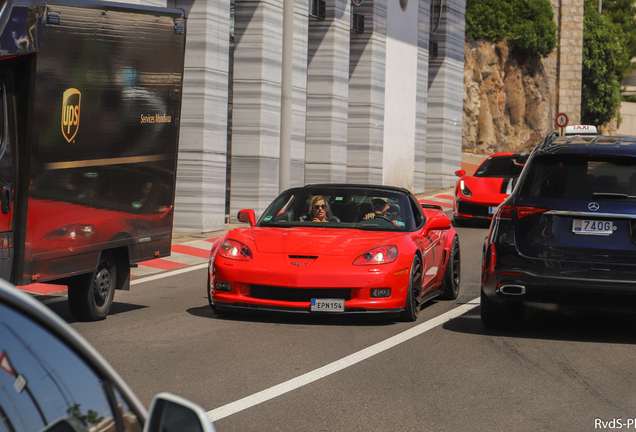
90	106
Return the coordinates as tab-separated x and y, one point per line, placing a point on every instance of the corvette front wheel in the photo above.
414	292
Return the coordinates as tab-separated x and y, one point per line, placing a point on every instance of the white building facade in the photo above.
380	106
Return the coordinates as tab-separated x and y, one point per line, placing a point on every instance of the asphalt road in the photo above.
445	372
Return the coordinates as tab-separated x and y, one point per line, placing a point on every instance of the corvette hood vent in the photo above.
303	256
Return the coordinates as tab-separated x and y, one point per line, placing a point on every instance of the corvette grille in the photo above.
297	294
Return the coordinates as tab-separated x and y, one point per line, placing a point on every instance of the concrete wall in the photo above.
628	116
421	107
569	61
201	168
445	98
328	95
400	94
367	72
367	107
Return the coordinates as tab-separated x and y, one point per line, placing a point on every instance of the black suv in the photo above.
567	233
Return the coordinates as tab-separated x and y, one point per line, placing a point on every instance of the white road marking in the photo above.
165	274
54	300
350	360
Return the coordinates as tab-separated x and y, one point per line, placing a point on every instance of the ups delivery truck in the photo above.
90	105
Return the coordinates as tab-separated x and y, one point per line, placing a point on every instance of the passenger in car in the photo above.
317	209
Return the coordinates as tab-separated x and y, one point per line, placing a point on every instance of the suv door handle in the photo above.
5	206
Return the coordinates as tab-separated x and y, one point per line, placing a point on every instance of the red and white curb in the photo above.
182	255
443	200
192	253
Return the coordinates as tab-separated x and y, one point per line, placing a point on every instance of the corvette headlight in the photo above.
381	255
464	189
236	250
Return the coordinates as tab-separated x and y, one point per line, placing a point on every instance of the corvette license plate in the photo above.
593	227
327	305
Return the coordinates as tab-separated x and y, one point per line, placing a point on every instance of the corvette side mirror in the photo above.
460	173
438	223
247	216
172	413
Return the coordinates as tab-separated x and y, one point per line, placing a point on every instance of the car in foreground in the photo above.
334	248
54	381
567	233
477	196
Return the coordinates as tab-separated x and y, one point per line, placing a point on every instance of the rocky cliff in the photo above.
508	99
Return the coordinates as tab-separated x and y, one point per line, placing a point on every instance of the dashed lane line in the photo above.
350	360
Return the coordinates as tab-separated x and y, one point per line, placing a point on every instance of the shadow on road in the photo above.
296	318
566	325
61	308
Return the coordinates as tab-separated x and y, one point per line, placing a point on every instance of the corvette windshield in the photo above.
361	208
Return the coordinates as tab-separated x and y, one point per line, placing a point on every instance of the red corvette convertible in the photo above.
477	196
337	248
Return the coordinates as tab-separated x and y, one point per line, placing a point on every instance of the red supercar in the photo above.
477	196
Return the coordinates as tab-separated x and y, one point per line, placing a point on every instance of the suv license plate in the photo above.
593	227
327	305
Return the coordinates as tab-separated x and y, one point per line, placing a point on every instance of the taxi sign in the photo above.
581	130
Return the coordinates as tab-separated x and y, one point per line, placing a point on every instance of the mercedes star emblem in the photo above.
593	206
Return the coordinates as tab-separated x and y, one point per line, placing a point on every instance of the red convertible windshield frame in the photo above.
358	208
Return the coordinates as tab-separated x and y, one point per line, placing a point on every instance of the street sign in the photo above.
19	383
561	120
5	364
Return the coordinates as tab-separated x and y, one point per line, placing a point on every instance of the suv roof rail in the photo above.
548	139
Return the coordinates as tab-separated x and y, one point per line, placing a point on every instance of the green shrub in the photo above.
604	54
527	25
623	13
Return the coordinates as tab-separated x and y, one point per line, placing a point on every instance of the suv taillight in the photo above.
511	212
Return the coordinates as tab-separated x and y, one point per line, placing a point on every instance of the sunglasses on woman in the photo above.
320	206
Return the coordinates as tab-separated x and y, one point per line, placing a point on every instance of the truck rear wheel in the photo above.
90	296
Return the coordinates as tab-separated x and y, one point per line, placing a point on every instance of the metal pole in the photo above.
600	6
286	95
37	405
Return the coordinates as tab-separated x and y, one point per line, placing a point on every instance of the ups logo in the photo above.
70	113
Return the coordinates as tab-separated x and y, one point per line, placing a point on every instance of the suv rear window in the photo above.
581	177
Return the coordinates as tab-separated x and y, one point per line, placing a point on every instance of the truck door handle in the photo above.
6	200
